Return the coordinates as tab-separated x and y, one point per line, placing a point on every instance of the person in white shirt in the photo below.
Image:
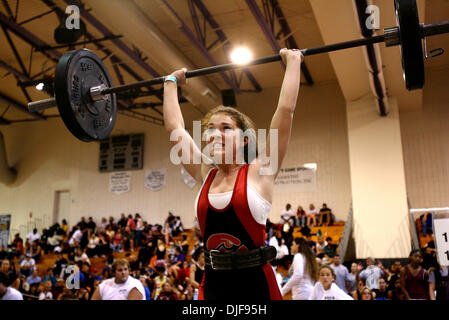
278	242
326	289
27	266
304	269
287	214
33	236
76	237
6	292
122	286
371	274
81	256
46	294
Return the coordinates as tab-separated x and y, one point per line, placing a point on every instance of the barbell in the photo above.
85	95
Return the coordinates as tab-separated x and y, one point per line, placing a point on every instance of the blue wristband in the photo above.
171	78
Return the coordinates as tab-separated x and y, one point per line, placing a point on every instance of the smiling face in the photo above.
222	135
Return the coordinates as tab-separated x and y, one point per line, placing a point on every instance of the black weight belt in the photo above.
218	260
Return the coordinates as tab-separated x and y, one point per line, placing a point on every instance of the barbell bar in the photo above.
86	99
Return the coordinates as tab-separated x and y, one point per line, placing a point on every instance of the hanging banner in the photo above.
5	223
120	182
296	179
155	179
187	178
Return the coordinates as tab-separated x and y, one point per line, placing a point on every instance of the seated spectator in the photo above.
414	278
46	293
382	292
34	278
320	247
176	227
183	272
92	249
50	277
301	216
367	294
104	245
311	216
81	256
110	232
117	241
33	236
325	216
36	251
8	269
326	289
53	241
168	292
6	291
60	265
65	226
27	266
329	251
287	214
282	251
371	274
287	233
76	236
17	247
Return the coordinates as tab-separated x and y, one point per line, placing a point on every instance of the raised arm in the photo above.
174	124
283	117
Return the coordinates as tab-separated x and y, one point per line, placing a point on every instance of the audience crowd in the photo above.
170	266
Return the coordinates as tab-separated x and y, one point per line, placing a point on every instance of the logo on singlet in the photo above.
224	242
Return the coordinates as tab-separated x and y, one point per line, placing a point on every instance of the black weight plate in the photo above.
77	72
411	44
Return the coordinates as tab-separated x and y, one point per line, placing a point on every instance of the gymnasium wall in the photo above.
425	140
49	159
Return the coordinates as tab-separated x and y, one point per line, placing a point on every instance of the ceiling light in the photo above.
241	55
40	86
312	166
